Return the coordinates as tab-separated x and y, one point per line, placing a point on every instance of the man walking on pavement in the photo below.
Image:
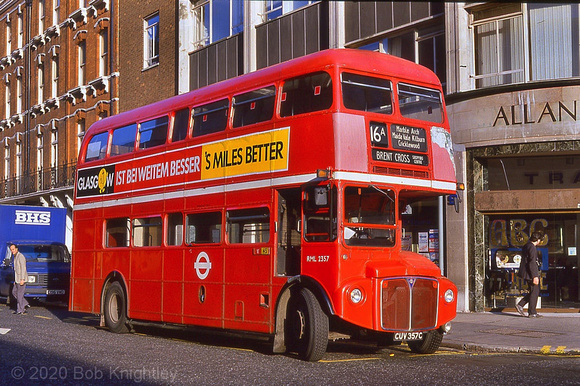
530	272
20	279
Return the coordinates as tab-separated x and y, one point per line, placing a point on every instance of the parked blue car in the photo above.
48	266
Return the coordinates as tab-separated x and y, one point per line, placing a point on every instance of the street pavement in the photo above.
507	331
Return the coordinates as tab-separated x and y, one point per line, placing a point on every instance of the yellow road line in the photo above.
349	360
42	317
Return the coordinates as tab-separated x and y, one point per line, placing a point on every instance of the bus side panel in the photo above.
146	271
248	274
172	284
350	142
203	285
82	272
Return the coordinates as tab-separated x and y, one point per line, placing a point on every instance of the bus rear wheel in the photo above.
307	328
115	309
429	344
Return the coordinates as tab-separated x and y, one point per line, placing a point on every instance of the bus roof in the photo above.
361	60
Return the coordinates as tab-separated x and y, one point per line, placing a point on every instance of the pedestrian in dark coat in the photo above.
530	272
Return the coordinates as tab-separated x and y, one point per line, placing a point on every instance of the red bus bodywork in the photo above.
279	269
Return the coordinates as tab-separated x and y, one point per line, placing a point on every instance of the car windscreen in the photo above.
44	253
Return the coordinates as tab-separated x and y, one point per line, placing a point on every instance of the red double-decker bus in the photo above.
270	203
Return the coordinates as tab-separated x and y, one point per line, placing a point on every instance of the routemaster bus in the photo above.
270	203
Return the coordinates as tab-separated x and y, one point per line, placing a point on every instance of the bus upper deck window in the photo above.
305	94
123	139
254	106
153	133
210	118
365	93
180	125
97	147
420	103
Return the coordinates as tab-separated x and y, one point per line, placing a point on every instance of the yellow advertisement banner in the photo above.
256	153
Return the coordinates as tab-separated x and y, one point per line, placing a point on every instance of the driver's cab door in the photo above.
319	228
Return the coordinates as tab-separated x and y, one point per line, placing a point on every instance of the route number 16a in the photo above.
379	136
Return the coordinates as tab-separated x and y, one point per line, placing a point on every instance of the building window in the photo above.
55	67
40	16
7	96
431	49
277	8
151	44
39	152
8	39
82	53
40	95
80	132
18	164
20	30
54	149
216	20
499	45
104	52
6	161
55	8
20	96
554	49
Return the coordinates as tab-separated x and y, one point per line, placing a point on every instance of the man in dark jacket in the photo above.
530	272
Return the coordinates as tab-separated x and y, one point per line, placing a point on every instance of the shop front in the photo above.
524	194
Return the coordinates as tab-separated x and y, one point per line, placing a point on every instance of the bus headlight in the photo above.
449	296
356	296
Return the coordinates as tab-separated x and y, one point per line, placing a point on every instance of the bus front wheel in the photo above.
307	328
115	309
429	344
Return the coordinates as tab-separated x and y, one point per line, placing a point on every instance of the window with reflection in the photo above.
153	133
369	216
97	147
123	140
366	93
420	103
254	106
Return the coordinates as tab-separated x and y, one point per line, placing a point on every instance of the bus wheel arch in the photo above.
114	304
302	324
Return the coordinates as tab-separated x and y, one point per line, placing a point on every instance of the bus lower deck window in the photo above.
203	228
117	232
249	226
147	232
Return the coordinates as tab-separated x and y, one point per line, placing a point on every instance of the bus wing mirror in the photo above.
299	226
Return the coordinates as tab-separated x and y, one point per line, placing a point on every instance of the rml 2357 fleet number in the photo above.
317	259
406	336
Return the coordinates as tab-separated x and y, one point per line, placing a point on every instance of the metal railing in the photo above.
43	179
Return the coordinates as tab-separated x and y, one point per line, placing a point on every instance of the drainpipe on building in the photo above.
28	84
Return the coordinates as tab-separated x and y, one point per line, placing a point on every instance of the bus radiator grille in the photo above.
409	304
